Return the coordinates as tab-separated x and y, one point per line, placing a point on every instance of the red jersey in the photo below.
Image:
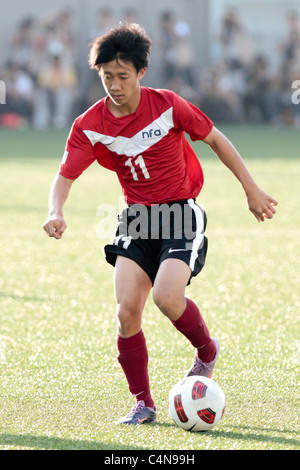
147	149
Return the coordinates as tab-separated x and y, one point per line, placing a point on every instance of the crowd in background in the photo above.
249	88
240	86
43	71
41	74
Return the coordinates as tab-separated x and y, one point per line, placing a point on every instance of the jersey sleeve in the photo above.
78	156
190	119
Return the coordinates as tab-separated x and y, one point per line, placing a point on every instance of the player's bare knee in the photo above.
167	302
128	319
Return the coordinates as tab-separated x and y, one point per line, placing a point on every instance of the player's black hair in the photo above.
128	42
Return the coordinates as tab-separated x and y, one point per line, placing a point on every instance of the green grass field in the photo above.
61	386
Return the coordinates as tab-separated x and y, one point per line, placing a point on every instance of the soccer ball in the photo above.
196	403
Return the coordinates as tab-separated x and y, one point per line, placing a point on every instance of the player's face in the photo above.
122	83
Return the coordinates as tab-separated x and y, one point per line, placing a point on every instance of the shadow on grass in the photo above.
56	443
248	433
245	433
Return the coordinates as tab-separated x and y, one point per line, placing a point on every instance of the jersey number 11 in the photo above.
141	162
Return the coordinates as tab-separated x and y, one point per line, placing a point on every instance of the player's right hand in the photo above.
55	227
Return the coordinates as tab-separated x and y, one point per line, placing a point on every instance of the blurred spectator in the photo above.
19	96
237	45
104	22
166	43
59	35
92	90
291	46
182	88
184	54
23	42
65	30
260	97
56	90
130	15
219	97
176	50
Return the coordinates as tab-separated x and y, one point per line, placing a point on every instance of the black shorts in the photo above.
150	234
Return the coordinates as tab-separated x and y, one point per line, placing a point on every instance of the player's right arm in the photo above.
55	225
77	157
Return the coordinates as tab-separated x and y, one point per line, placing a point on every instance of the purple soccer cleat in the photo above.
139	414
204	368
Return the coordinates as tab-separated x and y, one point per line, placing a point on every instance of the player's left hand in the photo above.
261	204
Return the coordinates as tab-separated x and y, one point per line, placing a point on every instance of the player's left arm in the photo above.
260	204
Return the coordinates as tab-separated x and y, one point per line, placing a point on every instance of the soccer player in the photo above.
138	132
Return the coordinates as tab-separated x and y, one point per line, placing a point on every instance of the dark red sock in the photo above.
133	358
193	327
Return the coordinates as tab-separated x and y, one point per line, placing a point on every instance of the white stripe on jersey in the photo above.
64	158
140	142
198	240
